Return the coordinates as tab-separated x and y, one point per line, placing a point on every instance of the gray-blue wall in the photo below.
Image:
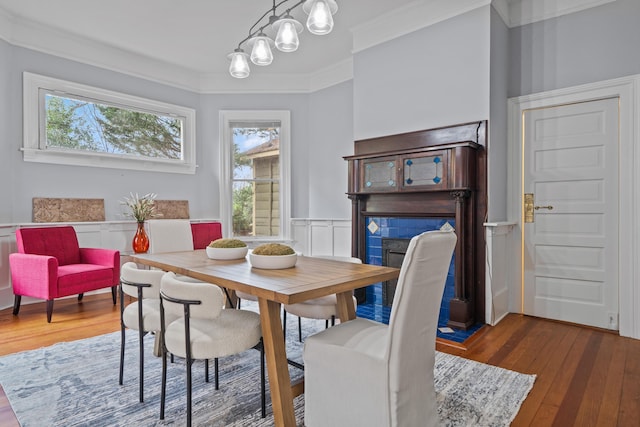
318	170
6	157
433	77
458	70
330	138
497	144
592	45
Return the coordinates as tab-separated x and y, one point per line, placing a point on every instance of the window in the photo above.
255	174
74	124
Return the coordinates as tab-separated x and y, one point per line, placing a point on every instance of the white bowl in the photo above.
226	253
273	262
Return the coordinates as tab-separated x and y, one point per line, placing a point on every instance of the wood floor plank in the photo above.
549	360
576	390
630	394
614	375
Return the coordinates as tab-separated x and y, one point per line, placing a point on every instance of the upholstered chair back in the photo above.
59	242
131	273
211	296
169	235
412	326
205	233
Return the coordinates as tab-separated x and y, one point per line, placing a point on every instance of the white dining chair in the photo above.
143	314
384	373
169	235
204	330
323	308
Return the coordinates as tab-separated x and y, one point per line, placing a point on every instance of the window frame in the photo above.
226	168
36	87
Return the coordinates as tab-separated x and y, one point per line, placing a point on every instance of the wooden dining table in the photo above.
309	278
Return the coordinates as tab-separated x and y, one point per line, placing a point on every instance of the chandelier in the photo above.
285	27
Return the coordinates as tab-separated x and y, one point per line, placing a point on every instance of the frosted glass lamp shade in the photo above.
261	50
320	20
239	67
287	34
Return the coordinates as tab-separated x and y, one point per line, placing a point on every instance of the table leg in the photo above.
277	366
345	308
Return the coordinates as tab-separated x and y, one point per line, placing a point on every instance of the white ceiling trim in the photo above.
522	12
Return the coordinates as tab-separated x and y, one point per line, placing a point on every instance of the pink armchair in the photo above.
50	264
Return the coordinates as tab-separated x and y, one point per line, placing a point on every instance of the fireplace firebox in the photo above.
393	251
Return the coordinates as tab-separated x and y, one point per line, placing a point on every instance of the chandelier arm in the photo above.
252	33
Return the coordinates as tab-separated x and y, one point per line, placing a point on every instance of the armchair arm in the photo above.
34	275
106	257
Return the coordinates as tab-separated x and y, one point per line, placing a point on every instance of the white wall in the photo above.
436	76
592	45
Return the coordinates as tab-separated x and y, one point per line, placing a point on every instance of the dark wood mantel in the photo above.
378	186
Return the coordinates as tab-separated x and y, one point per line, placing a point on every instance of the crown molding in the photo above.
502	7
401	21
522	12
48	40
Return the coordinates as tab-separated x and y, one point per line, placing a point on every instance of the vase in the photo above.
140	242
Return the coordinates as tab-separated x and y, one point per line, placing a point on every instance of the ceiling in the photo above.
196	34
185	42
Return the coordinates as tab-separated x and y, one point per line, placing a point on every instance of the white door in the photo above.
571	247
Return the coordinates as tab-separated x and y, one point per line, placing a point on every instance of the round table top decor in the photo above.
225	249
273	256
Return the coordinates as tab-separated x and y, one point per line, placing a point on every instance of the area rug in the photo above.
76	384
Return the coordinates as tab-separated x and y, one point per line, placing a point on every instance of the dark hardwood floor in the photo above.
585	377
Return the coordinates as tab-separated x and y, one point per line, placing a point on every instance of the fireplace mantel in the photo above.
432	173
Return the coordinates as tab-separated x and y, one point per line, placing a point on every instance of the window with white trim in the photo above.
74	124
255	177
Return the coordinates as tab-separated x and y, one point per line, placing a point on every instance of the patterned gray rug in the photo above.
76	384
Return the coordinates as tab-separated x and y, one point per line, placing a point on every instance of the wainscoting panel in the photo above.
310	237
322	237
497	280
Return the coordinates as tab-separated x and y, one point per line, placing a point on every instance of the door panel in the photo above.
571	248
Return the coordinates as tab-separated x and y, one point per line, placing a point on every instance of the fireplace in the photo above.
436	175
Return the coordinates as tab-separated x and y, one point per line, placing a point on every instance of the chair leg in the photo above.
206	370
80	296
49	310
299	329
121	354
16	304
333	320
284	324
263	391
141	337
216	373
189	384
114	295
163	390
